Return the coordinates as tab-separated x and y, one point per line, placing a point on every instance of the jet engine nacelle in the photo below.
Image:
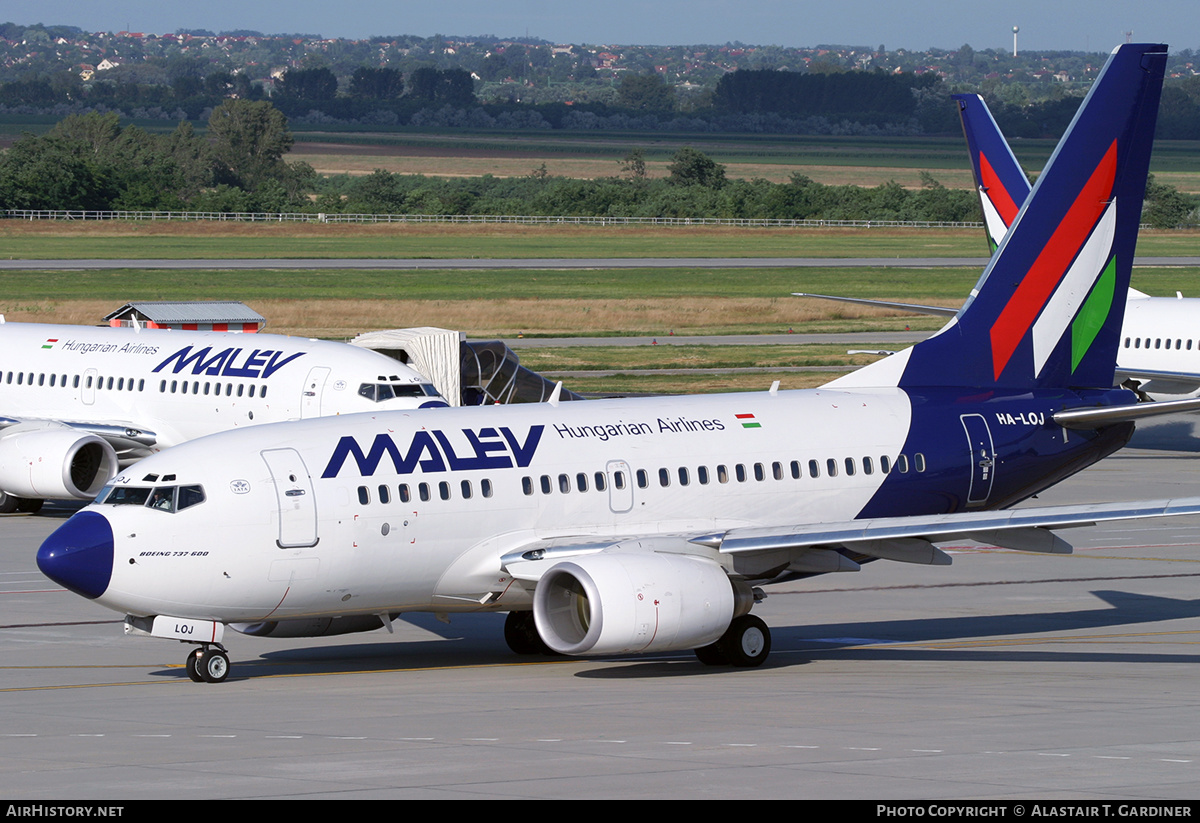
310	626
55	463
616	603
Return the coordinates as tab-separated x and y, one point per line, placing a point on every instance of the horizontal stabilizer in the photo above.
1101	416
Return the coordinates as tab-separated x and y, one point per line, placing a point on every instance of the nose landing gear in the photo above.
208	664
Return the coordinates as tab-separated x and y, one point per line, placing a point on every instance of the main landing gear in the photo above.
208	664
746	643
522	636
10	503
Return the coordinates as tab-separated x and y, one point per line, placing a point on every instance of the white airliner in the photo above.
80	402
646	525
1159	355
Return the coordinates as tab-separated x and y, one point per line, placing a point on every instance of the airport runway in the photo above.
538	263
1006	675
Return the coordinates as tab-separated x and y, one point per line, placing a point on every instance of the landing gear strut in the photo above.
746	643
208	664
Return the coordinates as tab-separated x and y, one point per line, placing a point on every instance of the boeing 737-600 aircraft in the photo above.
80	401
648	524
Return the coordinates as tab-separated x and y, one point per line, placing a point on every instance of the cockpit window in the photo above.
163	499
124	496
416	390
379	392
189	496
160	498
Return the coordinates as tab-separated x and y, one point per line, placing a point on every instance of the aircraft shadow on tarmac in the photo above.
1181	434
475	640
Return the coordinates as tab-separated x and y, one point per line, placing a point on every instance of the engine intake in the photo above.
55	463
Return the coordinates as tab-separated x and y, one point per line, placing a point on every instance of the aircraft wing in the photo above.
815	548
937	311
911	539
125	438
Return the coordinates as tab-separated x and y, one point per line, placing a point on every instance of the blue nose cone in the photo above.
79	554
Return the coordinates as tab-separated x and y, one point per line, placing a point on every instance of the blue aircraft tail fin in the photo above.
1047	312
999	179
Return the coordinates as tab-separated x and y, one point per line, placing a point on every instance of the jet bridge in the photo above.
466	373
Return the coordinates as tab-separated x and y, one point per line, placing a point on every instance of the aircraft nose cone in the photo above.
79	554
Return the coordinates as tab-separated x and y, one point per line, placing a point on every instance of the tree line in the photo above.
92	162
747	100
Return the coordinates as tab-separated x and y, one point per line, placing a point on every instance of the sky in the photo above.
1074	25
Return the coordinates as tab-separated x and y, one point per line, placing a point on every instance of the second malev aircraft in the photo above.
646	525
80	402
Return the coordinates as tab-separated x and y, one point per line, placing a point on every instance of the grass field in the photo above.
66	240
222	240
341	303
329	159
556	303
860	161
